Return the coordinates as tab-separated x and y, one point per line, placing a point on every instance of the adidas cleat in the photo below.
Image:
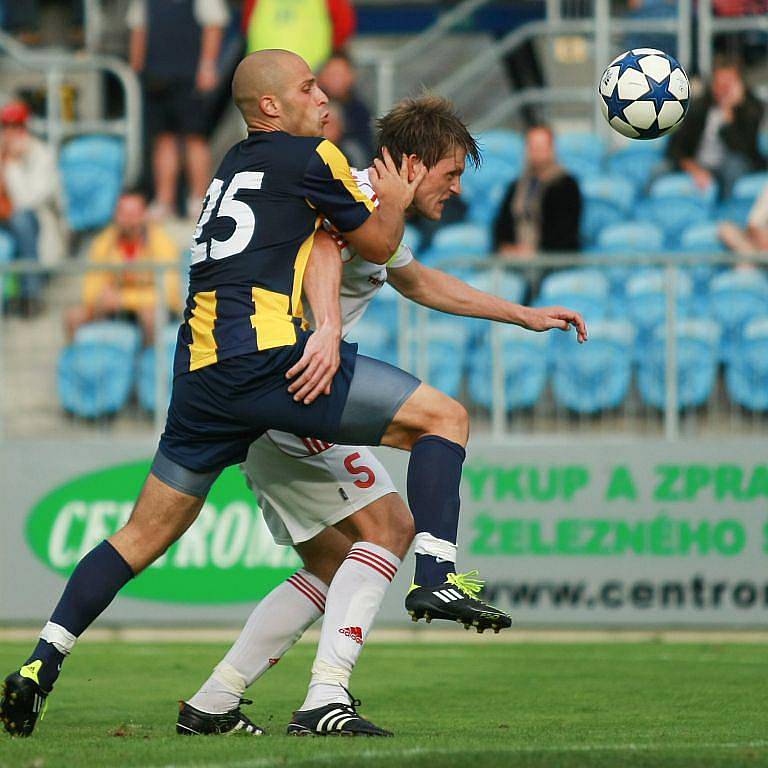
456	600
193	722
22	702
333	720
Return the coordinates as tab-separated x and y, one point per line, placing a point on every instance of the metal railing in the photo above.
30	351
56	65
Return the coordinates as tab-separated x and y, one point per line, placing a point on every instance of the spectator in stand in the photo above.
335	131
541	209
718	140
130	295
338	78
28	199
754	238
311	28
175	46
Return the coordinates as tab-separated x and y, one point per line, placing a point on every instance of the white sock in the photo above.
275	624
427	544
354	599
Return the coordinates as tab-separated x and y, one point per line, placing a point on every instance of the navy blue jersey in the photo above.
252	243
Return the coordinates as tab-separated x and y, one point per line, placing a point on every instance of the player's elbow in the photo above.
376	253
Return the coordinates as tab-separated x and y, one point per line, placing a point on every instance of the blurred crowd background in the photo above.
114	113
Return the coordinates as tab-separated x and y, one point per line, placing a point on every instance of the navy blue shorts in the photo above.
216	412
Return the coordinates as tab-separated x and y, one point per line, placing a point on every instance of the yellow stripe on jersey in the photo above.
272	320
334	158
202	350
299	267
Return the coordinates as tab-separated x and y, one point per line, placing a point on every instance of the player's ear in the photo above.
269	106
414	166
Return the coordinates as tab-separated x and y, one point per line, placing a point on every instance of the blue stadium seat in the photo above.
672	214
506	146
525	359
504	282
94	379
442	343
682	185
145	384
620	191
583	169
635	237
596	215
95	372
697	357
483	209
595	376
746	376
383	308
375	339
701	239
7	251
636	161
584	144
735	297
750	186
92	175
412	237
458	241
645	300
736	210
476	182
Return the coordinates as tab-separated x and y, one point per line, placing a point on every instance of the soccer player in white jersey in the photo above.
318	497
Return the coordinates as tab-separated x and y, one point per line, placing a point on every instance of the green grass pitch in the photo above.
617	705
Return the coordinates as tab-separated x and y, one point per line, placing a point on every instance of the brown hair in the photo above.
426	126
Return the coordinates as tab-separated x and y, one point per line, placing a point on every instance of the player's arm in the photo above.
446	293
313	373
380	236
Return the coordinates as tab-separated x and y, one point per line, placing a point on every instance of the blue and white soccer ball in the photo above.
644	93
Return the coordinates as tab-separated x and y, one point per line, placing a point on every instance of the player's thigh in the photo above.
305	486
324	553
386	522
427	411
159	518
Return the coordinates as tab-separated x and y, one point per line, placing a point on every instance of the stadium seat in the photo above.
616	190
145	381
383	308
7	251
375	339
746	376
476	182
503	282
483	209
507	146
682	185
458	241
596	215
672	214
584	144
750	186
735	297
95	372
525	359
645	300
701	239
595	377
626	240
583	168
412	237
635	162
92	175
697	353
736	210
442	343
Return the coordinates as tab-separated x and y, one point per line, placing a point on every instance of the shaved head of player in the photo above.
275	90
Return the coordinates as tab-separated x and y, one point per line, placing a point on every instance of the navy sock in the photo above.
434	475
98	577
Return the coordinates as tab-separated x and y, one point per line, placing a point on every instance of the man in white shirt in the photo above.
753	238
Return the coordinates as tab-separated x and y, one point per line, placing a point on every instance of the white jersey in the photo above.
361	279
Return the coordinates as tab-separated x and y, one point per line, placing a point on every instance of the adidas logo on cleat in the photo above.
354	633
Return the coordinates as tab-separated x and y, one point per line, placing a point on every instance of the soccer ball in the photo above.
644	93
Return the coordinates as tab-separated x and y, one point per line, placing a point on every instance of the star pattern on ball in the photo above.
615	104
630	61
659	93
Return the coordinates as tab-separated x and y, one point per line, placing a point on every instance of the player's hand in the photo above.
391	184
548	318
314	373
206	77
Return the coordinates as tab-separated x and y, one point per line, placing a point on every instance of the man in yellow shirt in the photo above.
131	295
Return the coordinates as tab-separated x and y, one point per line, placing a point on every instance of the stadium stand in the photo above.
747	371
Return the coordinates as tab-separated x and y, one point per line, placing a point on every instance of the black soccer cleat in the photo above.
456	600
333	720
22	702
193	722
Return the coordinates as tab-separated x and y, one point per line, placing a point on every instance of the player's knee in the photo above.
449	420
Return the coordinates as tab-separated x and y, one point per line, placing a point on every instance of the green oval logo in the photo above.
227	555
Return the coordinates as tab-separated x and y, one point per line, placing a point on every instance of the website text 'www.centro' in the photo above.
698	593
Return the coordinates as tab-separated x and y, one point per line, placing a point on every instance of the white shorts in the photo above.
305	485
